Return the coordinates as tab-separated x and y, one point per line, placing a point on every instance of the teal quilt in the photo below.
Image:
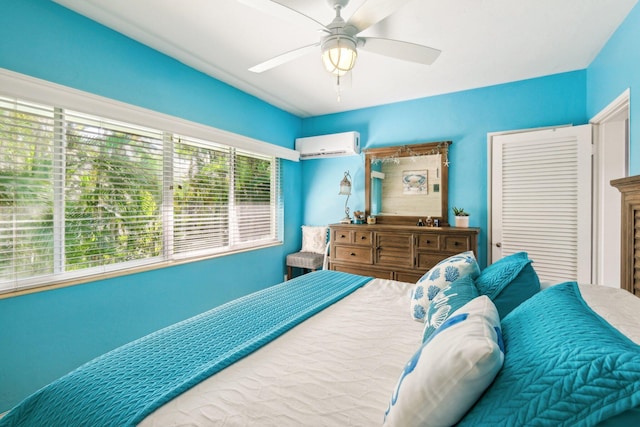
564	366
125	385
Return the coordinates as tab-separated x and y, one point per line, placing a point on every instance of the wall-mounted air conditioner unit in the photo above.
333	145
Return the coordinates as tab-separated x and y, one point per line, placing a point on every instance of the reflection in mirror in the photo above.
407	182
409	187
377	177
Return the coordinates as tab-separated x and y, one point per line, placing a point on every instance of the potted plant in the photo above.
462	218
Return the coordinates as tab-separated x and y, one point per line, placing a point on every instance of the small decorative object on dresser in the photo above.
398	252
462	217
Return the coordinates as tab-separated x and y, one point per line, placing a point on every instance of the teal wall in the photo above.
46	334
616	68
464	118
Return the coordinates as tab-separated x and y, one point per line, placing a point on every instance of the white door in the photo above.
541	200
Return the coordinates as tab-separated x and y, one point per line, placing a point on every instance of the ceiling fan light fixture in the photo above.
339	54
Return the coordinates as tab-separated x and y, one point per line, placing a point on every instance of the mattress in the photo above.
337	368
617	306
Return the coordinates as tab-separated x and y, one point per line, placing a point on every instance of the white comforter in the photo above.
337	368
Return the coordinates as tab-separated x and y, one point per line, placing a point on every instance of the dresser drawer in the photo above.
429	241
353	254
364	238
342	236
396	240
428	261
394	257
403	276
456	244
363	271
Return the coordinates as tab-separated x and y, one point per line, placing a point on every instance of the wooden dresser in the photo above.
398	252
630	238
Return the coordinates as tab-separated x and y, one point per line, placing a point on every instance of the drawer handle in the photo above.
342	236
456	243
428	241
363	238
352	254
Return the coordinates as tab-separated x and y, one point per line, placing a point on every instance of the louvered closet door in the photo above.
541	200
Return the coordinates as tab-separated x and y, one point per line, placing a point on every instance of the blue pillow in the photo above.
446	302
565	365
508	282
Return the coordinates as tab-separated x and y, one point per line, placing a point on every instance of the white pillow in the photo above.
439	277
451	370
314	239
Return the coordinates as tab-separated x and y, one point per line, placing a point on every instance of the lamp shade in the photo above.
345	185
339	55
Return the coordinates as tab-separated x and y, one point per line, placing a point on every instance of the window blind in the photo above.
201	189
223	198
26	190
81	195
112	192
256	201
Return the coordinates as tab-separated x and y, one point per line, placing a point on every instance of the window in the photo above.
82	195
222	197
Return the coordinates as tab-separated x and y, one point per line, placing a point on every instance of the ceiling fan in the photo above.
340	43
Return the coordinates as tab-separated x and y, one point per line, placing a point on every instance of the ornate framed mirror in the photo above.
408	182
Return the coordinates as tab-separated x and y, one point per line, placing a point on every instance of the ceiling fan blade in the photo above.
284	58
282	11
373	11
400	50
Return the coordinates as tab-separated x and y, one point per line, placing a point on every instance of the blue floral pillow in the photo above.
509	282
439	277
446	302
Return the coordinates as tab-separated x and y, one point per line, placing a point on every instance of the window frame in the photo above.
60	98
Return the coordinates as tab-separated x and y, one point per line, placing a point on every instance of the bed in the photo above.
461	346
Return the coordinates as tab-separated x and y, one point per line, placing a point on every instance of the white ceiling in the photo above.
483	42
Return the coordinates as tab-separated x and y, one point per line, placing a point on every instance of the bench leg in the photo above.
289	272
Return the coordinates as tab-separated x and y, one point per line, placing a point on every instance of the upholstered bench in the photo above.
305	260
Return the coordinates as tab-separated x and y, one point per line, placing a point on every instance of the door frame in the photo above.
605	197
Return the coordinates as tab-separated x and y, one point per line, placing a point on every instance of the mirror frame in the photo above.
439	147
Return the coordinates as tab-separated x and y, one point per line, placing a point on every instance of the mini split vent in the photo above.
333	145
